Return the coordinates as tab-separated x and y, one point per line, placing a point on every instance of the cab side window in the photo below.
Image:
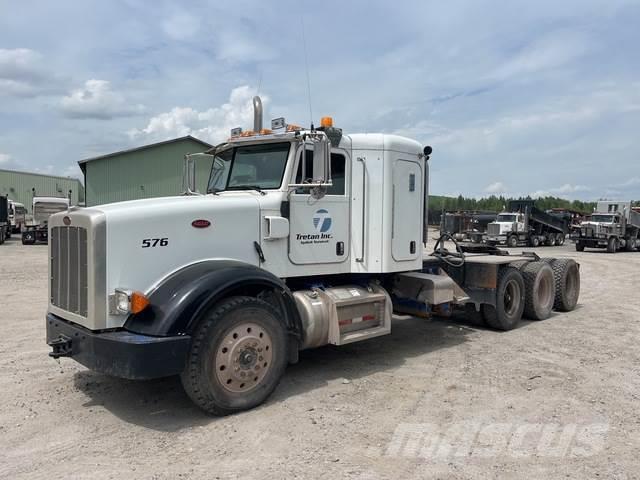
338	173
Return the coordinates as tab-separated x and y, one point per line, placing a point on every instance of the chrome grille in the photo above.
493	229
68	247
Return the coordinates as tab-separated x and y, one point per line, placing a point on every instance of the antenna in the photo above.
259	82
306	65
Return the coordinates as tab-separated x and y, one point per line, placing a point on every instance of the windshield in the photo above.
603	218
250	166
507	217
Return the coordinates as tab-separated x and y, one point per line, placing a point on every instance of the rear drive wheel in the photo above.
534	241
539	290
612	245
579	247
509	301
512	241
559	239
550	239
630	245
237	357
566	274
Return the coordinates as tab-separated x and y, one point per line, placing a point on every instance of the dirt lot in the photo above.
555	399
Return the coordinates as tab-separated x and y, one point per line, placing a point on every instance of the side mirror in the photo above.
322	160
189	173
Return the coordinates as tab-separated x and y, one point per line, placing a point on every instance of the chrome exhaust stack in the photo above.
257	114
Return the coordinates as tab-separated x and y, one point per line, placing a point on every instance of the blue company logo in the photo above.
322	220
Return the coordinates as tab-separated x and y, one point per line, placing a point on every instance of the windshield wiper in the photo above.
248	187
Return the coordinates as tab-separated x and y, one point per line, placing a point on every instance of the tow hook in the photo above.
61	347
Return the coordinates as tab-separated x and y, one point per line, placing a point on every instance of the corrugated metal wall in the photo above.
152	172
19	186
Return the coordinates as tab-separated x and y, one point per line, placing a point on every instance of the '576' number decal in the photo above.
155	242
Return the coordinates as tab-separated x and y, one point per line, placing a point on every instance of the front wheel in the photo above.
512	241
28	238
579	247
612	245
237	357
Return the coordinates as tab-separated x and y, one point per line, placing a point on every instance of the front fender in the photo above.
180	300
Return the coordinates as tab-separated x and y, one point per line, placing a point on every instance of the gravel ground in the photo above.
441	398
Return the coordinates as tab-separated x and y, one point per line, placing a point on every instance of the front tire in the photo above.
579	247
512	241
612	245
28	238
237	357
509	301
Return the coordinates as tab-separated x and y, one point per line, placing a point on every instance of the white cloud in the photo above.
22	74
568	188
4	158
98	100
212	125
496	187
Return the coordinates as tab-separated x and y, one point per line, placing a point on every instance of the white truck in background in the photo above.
524	224
305	237
614	226
17	217
36	230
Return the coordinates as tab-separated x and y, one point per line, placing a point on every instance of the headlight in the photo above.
124	302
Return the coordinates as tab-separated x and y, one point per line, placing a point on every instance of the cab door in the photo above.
319	224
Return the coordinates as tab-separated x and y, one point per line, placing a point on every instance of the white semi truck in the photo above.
614	226
36	230
305	237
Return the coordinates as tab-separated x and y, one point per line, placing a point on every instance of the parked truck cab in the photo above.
613	226
305	237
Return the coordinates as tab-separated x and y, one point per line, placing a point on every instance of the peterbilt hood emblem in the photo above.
200	223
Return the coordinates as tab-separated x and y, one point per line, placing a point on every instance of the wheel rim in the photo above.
511	298
243	358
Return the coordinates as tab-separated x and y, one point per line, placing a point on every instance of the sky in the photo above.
516	98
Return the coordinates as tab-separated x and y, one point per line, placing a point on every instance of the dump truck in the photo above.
305	237
5	224
524	224
36	230
614	226
466	226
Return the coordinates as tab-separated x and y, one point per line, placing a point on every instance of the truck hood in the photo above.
137	244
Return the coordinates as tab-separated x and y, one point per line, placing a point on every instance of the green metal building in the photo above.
149	171
21	186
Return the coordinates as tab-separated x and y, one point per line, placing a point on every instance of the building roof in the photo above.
22	172
144	147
